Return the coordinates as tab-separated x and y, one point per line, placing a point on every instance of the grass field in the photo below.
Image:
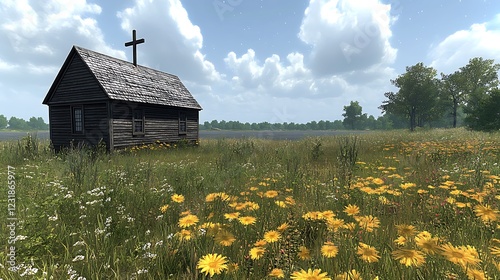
392	205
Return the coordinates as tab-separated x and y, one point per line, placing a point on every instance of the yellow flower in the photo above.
188	220
185	213
407	185
289	200
212	264
164	208
271	194
350	275
313	215
304	253
465	256
328	214
427	243
367	253
310	275
495	250
272	236
257	252
350	226
486	213
475	274
368	223
334	224
247	220
281	203
233	267
232	216
409	257
184	234
283	227
351	210
179	198
210	197
406	230
329	250
225	238
378	181
277	272
401	240
260	243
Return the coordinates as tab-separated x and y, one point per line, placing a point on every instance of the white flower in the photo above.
78	258
21	237
142	271
99	231
149	255
30	271
146	246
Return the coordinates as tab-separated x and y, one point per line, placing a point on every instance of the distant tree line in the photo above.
20	124
362	122
468	97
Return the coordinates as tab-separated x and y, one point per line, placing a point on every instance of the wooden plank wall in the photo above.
161	124
78	84
95	125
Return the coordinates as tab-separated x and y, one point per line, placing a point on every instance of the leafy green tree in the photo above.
15	123
485	115
480	79
337	125
352	114
417	98
3	122
37	123
452	87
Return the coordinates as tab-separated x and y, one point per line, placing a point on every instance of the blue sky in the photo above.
248	60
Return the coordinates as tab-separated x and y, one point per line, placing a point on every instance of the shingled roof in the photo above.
121	80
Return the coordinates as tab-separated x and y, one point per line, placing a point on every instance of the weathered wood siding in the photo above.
161	124
77	84
95	125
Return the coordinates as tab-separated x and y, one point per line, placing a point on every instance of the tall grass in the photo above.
93	215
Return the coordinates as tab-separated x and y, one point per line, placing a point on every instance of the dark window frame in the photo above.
77	122
138	120
182	123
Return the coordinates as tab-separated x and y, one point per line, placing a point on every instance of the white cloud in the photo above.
318	85
347	35
37	36
175	42
480	40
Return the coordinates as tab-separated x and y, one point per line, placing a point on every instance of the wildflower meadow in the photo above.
391	205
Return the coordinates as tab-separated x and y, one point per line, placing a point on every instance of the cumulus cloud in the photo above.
173	43
349	48
480	40
274	77
39	32
347	35
36	38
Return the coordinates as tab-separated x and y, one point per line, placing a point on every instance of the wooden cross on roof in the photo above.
134	44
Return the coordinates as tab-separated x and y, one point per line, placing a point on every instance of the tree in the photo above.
485	115
417	98
452	87
480	79
3	122
352	114
37	123
15	123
